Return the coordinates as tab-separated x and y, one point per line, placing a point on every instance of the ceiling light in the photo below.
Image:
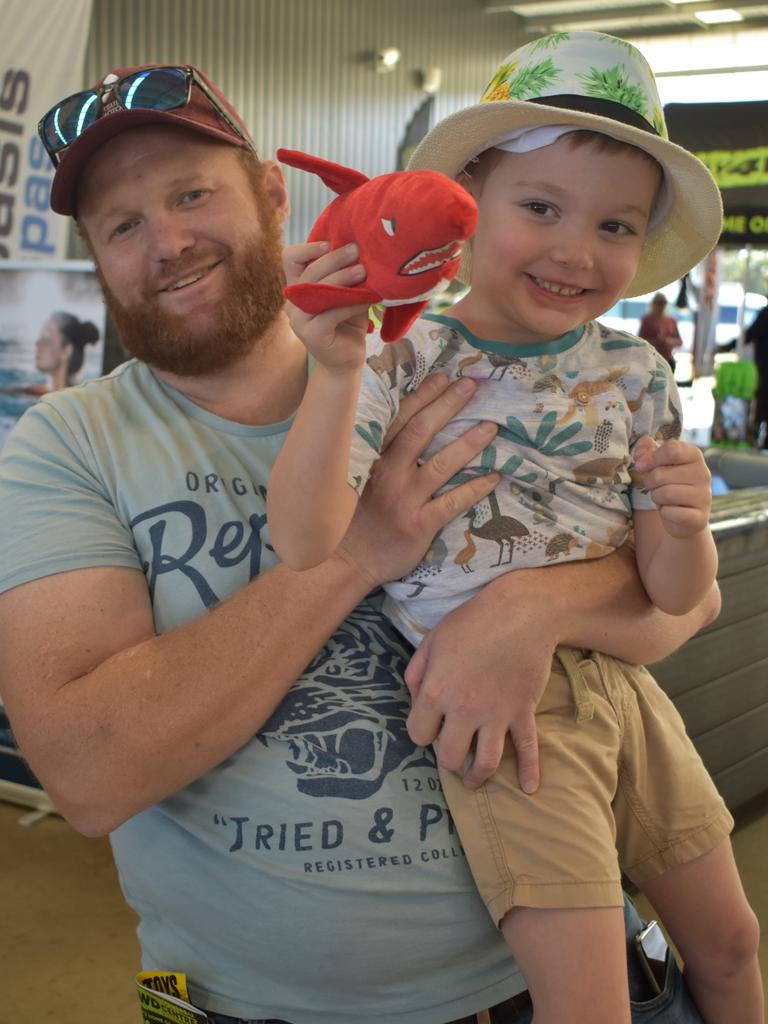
386	59
720	17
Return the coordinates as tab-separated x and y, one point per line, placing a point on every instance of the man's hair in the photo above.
252	165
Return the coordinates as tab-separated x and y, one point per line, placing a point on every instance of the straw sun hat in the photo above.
592	81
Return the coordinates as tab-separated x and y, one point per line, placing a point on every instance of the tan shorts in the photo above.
622	786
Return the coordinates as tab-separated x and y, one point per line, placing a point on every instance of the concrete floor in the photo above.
68	952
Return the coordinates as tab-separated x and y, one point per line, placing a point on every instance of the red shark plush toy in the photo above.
409	226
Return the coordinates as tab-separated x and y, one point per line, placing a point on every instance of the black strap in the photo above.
602	108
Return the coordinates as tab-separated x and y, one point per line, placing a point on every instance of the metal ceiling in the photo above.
628	18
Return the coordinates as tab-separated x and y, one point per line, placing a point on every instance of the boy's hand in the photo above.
336	338
679	482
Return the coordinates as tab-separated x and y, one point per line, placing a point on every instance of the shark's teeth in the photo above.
431	259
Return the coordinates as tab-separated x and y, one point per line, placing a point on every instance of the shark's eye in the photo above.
389	225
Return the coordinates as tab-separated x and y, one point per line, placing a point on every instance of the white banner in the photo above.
42	48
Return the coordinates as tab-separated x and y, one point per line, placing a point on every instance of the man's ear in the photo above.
276	189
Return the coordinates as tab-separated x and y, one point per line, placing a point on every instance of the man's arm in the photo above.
490	685
113	718
604	607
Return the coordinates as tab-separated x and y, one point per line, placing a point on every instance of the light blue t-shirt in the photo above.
315	875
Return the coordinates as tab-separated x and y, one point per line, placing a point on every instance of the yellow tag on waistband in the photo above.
164	999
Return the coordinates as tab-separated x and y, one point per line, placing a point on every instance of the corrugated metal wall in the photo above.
299	70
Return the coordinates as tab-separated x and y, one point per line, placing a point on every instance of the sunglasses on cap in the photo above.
166	88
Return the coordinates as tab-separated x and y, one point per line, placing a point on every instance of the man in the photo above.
287	847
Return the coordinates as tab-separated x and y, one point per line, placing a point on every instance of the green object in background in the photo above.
734	390
735	378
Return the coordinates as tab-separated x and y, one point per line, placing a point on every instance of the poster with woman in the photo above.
52	324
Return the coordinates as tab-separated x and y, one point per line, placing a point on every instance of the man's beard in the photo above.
250	305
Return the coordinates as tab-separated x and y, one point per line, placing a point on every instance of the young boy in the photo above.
581	200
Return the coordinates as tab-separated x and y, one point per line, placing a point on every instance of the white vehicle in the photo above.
627	314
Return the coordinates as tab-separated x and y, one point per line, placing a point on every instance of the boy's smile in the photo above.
559	238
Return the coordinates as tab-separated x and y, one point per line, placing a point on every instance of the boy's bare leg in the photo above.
574	961
703	907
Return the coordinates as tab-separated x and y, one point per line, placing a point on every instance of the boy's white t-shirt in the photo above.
569	413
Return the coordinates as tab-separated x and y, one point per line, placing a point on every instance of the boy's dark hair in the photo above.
481	166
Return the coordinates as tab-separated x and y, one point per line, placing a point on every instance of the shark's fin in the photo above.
397	319
337	177
317	298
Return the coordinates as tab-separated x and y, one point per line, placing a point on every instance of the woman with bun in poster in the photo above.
59	352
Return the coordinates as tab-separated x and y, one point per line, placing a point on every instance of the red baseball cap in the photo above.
200	114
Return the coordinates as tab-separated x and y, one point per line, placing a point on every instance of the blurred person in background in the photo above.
660	329
757	336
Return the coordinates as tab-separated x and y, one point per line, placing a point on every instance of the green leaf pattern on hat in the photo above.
628	80
658	122
532	80
552	40
613	84
627	46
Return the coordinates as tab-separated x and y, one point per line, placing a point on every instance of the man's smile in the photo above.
189	278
